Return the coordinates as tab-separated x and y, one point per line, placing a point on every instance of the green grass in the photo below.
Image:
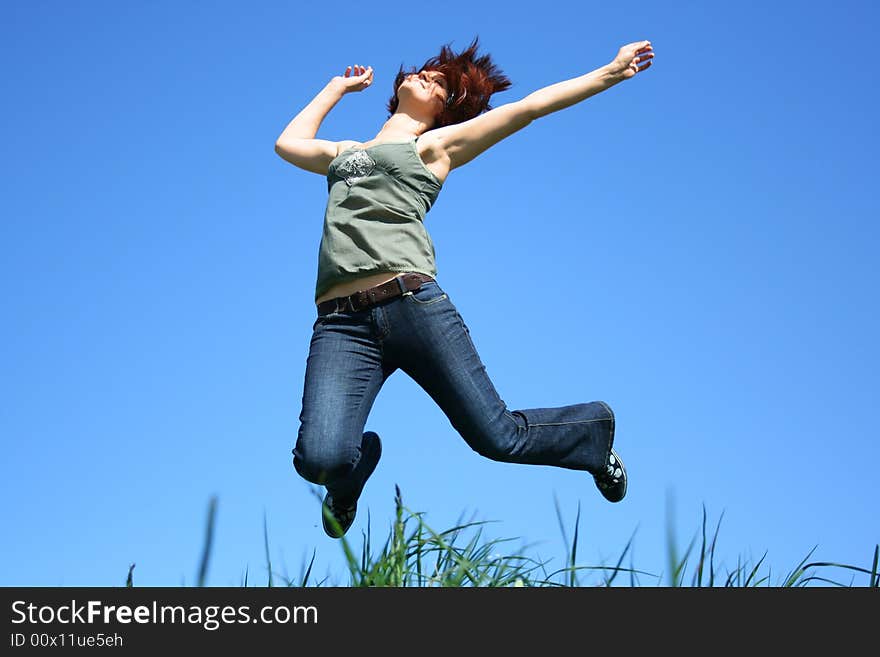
414	554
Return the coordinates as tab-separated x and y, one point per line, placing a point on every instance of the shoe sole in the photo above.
625	479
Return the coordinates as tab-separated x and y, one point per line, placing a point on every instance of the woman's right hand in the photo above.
355	78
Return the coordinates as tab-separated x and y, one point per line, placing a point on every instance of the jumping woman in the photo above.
379	305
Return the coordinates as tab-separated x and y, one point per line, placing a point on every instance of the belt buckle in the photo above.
354	301
341	308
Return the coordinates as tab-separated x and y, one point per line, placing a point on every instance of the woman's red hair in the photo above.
471	80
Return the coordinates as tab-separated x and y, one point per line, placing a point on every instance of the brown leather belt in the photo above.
363	299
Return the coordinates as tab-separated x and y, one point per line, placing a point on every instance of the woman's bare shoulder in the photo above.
345	144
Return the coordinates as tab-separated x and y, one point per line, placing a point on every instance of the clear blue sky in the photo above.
697	247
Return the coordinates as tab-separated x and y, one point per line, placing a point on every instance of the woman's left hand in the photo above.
632	58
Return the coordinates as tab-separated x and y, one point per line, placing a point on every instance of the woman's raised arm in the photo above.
297	143
462	142
630	59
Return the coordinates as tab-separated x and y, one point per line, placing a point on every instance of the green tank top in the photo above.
374	221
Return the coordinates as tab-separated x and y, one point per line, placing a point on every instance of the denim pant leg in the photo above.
429	340
344	373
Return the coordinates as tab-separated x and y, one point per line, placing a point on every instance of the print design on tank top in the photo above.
356	166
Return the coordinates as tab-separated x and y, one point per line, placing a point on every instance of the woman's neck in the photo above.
401	127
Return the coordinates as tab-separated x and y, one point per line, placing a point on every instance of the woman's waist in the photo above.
349	287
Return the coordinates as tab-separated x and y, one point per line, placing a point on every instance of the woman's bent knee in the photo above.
322	465
495	441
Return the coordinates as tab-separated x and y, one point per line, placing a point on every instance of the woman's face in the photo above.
430	86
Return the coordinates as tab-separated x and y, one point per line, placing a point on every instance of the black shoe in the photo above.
344	514
611	482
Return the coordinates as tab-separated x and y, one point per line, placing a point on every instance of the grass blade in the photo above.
304	581
875	582
755	570
799	571
712	552
702	551
209	539
266	546
130	583
573	581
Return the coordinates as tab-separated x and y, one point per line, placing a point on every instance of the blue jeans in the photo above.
353	353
